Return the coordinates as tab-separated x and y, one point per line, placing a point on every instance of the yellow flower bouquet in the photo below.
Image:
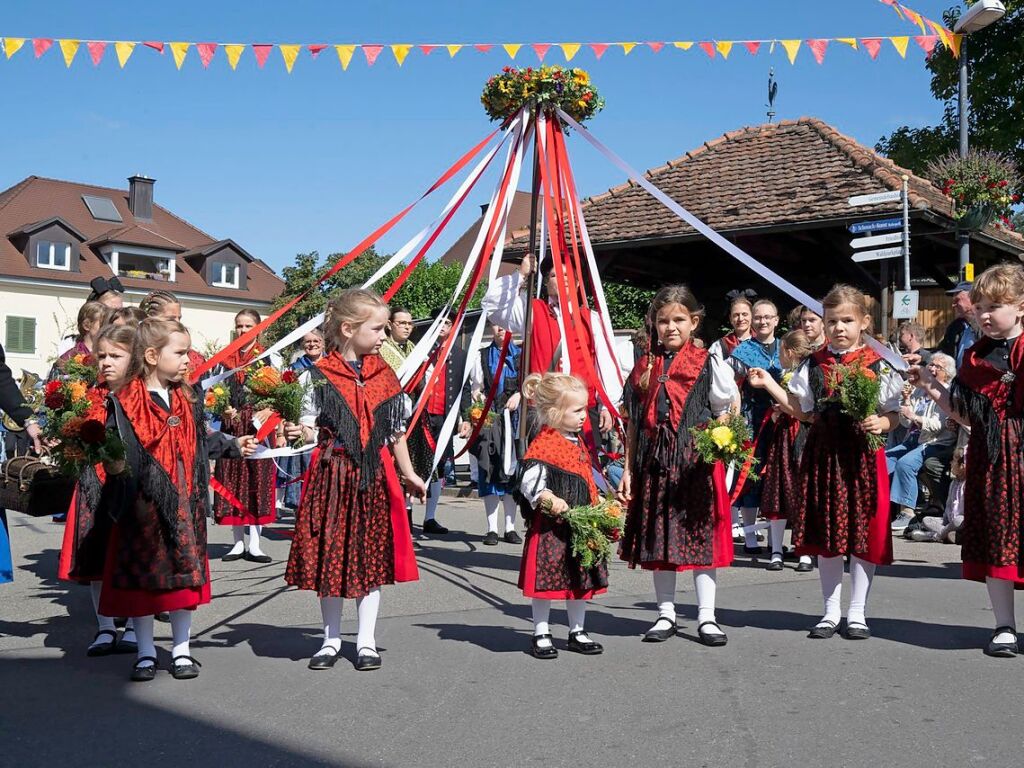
728	441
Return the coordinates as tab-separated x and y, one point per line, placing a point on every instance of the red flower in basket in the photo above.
289	377
93	432
55	399
72	427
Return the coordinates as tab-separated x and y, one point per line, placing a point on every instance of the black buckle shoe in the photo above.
434	527
102	649
144	674
774	565
257	558
184	671
857	631
230	557
823	630
655	635
325	658
491	539
804	567
511	537
546	652
711	639
367	662
586	647
1002	650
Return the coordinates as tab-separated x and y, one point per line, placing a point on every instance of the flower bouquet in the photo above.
81	367
476	413
217	400
855	388
593	529
548	87
281	392
728	441
76	427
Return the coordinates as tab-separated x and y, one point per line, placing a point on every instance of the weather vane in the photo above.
773	89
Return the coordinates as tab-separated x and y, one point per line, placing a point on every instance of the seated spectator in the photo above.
911	341
943	529
929	437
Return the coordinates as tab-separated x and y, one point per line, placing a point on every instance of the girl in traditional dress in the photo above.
988	395
741	309
166	306
250	483
156	557
557	475
92	317
351	531
87	532
759	351
842	507
678	517
782	456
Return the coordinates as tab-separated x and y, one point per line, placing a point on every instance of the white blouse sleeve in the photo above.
533	483
309	409
800	385
891	391
505	303
403	423
723	386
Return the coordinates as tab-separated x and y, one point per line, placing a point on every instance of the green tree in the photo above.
996	59
627	304
429	287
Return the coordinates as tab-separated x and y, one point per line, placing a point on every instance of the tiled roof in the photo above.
518	218
34	199
786	173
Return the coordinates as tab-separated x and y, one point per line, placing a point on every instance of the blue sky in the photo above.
316	159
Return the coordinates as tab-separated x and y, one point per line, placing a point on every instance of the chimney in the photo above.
140	197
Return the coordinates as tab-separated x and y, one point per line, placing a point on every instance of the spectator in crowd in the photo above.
929	436
291	468
803	319
943	529
911	341
398	346
961	333
109	293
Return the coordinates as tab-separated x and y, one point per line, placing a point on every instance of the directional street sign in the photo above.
875	226
873	240
904	305
876	198
881	253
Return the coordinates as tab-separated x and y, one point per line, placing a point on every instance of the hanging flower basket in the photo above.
546	87
975	218
983	186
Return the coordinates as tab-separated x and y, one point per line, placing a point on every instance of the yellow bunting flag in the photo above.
850	41
724	47
124	52
684	45
900	44
345	54
234	52
954	45
511	49
179	50
400	51
12	45
915	17
453	49
69	48
569	50
627	47
289	53
791	46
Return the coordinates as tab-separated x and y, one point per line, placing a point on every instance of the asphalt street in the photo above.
458	687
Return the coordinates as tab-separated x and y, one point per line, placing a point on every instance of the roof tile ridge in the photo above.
17	189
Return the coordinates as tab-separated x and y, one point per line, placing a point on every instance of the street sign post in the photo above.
872	240
904	305
876	198
879	225
879	253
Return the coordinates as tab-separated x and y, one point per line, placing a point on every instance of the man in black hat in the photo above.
960	334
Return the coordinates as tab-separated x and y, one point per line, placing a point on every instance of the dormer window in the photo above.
52	255
223	275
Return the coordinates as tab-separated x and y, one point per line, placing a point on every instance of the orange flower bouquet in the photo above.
855	388
75	425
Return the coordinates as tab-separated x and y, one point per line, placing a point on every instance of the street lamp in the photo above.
977	17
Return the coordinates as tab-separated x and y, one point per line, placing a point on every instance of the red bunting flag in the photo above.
315	49
541	49
483	47
872	45
599	49
927	43
656	47
41	45
96	49
372	52
818	49
261	51
155	45
708	48
206	51
427	49
752	46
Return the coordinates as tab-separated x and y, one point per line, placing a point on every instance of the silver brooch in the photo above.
1008	377
173	421
663	378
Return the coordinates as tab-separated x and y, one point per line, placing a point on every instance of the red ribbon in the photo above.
227	495
745	470
490	395
267	427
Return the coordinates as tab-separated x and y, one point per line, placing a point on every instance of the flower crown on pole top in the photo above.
547	88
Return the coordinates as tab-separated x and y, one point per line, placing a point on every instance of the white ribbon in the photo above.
737	253
263	452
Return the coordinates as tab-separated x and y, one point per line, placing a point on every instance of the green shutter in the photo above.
21	335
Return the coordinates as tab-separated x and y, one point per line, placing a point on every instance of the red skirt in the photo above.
142	602
843	506
549	571
779	472
253	483
83	550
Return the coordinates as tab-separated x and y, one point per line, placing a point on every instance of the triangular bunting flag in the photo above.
627	47
927	43
684	45
400	51
900	44
915	17
723	47
656	47
452	50
872	45
234	52
599	49
541	49
752	46
261	51
206	51
155	45
179	50
124	52
483	47
289	53
569	50
345	54
427	49
69	48
371	52
512	49
850	41
954	45
315	50
708	48
818	49
96	50
791	46
12	45
41	45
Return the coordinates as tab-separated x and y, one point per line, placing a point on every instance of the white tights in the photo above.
366	609
181	629
432	500
1000	593
705	583
749	517
491	504
238	534
830	571
577	613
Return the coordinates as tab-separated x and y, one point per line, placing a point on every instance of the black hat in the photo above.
963	285
101	285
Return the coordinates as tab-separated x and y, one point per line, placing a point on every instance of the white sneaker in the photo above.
901	522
